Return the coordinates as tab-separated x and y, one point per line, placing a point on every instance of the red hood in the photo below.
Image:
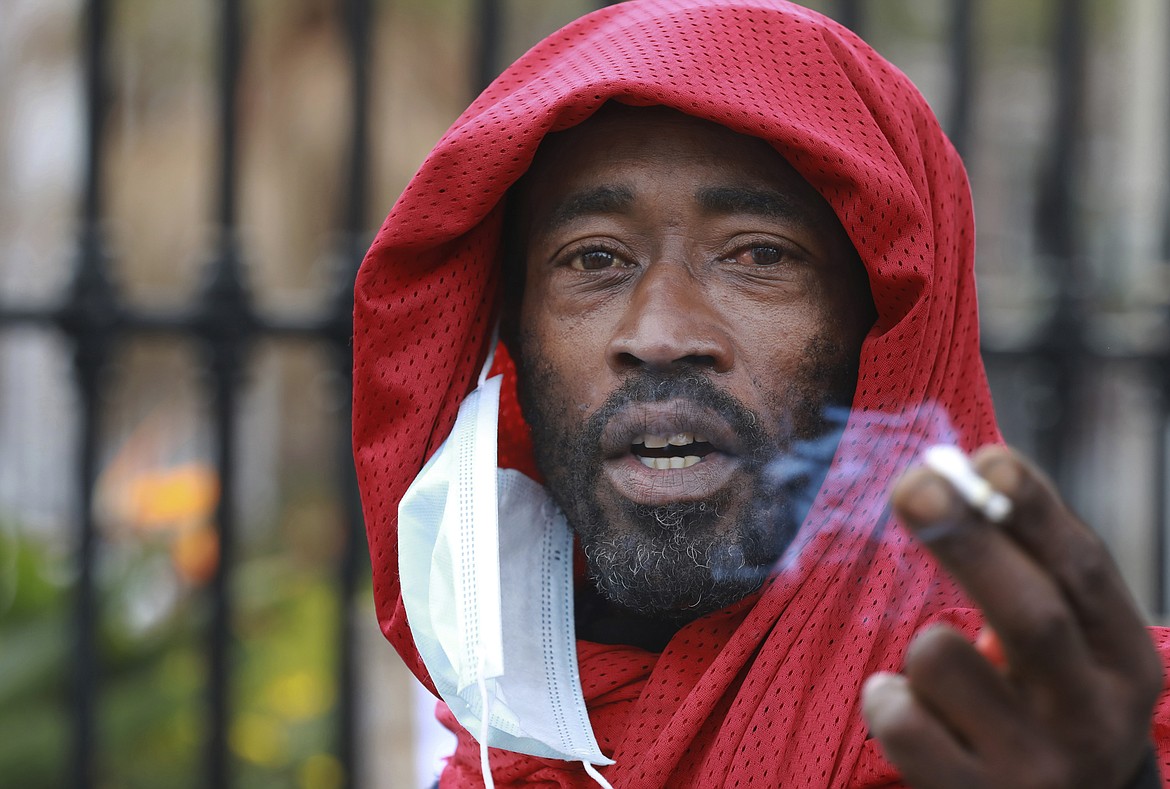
861	134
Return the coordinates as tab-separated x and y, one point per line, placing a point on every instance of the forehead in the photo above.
628	149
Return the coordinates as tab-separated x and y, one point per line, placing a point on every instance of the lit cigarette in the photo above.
950	462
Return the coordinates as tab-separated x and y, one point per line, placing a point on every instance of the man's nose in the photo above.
670	320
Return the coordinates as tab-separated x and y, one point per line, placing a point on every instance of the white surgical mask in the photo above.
464	525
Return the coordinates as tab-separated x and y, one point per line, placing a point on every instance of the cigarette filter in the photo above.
952	463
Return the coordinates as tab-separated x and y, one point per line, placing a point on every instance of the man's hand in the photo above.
1072	705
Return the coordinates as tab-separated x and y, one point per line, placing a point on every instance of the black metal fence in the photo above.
223	322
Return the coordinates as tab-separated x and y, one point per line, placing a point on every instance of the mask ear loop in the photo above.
481	679
491	355
596	776
484	726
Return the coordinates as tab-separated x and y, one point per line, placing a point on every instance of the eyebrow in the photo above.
767	203
599	200
616	199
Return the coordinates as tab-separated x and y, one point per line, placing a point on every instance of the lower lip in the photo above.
644	485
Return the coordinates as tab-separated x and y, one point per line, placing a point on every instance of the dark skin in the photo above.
1072	706
665	257
647	274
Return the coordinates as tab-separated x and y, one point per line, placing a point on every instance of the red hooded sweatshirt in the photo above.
765	693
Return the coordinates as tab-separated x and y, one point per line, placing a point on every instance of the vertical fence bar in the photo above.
90	357
223	372
91	318
225	324
85	652
1057	231
353	551
1161	466
1161	371
350	569
962	50
1058	240
358	25
487	43
96	21
1165	246
230	23
224	327
851	13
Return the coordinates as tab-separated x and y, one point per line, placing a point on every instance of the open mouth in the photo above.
666	452
678	450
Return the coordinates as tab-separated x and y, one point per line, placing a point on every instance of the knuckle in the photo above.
1092	752
1049	631
1092	569
1046	771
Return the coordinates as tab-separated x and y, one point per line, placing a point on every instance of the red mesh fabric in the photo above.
765	693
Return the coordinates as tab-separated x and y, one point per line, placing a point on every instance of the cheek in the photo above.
571	353
771	340
800	353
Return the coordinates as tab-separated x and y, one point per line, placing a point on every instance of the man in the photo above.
731	254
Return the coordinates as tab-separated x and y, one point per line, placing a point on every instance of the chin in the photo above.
671	585
682	560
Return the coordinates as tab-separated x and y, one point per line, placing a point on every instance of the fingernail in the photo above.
880	694
999	468
877	685
928	499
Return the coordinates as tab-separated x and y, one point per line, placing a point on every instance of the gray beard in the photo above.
676	561
680	561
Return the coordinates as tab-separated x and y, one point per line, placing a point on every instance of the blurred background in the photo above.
186	190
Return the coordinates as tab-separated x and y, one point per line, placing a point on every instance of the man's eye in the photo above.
762	256
759	256
594	260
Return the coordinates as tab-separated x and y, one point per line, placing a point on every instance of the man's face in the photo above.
691	307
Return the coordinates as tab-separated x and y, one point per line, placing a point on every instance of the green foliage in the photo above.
152	697
33	646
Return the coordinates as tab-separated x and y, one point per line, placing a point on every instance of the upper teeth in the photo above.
675	440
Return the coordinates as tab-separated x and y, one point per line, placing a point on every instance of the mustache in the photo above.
684	386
